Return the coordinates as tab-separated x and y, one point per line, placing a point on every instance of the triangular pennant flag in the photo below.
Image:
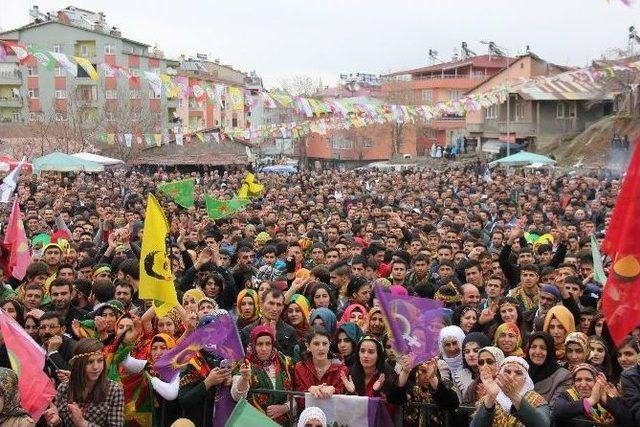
180	192
88	67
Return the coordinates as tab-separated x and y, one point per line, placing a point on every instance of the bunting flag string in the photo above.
319	115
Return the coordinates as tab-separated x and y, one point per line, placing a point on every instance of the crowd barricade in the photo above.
453	418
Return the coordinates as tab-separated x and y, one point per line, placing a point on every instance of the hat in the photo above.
51	246
550	289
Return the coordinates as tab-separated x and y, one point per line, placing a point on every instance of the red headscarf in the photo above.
252	354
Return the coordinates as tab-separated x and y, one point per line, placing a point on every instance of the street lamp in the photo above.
500	51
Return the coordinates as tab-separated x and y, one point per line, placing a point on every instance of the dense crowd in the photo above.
509	256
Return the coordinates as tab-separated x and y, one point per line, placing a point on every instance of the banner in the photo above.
345	410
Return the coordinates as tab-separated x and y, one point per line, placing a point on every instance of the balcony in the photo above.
519	128
11	77
11	102
475	127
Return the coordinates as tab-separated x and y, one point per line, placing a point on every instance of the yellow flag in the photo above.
88	67
250	188
156	281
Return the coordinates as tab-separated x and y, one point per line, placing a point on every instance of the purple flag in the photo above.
3	52
218	336
414	322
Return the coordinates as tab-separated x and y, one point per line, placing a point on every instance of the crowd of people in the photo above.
508	255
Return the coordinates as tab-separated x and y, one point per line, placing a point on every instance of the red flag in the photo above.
20	51
15	241
27	359
621	297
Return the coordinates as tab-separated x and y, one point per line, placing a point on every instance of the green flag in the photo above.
180	192
43	57
598	270
246	415
217	209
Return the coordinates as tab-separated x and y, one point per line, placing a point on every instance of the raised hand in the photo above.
51	416
379	383
348	382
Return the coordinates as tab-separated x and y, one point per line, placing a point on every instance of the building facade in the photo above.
435	84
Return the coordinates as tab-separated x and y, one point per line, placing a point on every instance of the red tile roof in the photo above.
482	61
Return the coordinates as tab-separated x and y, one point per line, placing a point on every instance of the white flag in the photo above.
66	63
10	182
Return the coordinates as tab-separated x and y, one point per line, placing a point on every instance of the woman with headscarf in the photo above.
489	360
355	313
148	397
191	298
247	307
576	347
510	399
549	378
11	413
312	417
347	339
451	360
200	380
297	315
559	323
325	318
600	356
471	346
507	338
264	368
376	326
591	398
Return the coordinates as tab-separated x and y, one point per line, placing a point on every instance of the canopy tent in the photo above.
280	169
8	163
523	158
61	162
106	161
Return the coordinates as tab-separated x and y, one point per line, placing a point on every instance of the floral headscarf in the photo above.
346	316
196	293
252	354
11	396
521	364
510	327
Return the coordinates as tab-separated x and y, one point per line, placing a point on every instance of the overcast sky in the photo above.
323	38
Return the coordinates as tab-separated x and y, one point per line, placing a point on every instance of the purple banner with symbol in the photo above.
415	323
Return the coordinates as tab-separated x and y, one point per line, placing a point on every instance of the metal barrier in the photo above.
449	418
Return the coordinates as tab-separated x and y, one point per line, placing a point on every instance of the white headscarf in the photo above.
502	398
312	412
454	363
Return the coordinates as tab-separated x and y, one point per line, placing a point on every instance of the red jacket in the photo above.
306	375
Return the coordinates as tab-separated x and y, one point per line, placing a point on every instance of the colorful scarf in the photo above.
597	413
10	395
566	319
510	327
252	354
256	306
346	316
302	327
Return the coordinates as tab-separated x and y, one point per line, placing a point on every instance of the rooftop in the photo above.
481	61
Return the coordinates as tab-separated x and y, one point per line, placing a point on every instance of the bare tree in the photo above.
299	85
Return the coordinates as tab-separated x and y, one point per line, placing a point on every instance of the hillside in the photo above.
592	147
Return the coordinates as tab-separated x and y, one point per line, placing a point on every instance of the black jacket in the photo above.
630	384
285	336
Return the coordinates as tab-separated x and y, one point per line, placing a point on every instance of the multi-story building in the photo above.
438	83
539	109
30	92
199	112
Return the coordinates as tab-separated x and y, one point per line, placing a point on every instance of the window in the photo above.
84	50
110	94
109	49
34	93
134	94
61	116
427	96
58	48
367	143
35	116
59	72
454	95
560	107
109	116
61	94
572	109
32	71
341	143
432	133
234	121
153	94
519	110
17	117
134	116
492	112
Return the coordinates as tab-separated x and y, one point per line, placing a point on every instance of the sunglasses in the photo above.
488	362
